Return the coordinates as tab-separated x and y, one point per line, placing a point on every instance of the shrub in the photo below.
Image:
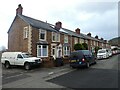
78	46
85	46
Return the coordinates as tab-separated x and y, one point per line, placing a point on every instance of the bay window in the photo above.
42	50
67	50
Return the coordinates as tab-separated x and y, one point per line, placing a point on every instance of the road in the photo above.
102	75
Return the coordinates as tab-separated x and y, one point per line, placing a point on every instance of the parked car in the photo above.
110	52
81	58
19	59
102	54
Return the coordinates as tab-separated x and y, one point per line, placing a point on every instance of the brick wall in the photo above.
15	36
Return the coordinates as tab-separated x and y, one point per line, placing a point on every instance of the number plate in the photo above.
73	60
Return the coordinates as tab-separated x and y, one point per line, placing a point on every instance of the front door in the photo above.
59	51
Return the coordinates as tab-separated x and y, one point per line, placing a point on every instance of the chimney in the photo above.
102	39
19	10
105	41
77	31
58	25
89	34
96	36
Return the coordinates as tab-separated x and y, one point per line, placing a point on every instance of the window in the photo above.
55	37
42	34
81	40
91	42
94	43
65	39
86	41
25	32
19	56
76	40
66	50
42	50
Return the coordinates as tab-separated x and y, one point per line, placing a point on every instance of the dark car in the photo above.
82	58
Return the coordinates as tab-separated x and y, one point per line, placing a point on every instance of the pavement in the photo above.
35	78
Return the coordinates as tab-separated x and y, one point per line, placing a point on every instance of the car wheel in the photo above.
27	66
7	65
87	65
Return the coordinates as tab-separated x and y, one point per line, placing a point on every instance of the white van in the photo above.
19	58
102	53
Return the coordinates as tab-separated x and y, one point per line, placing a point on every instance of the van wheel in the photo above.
87	65
27	66
7	65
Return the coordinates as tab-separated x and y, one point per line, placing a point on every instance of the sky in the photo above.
99	17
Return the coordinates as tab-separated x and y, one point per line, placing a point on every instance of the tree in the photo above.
85	46
78	46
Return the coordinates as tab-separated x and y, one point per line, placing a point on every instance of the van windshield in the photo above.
25	55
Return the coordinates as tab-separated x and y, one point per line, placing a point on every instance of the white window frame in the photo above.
25	32
66	51
86	41
57	37
81	40
75	40
41	31
41	51
94	43
65	38
91	42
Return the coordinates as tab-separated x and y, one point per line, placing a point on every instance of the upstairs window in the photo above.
25	32
65	39
55	37
75	40
42	34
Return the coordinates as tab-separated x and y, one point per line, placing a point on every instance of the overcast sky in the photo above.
96	16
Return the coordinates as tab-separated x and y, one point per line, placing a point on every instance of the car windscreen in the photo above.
101	51
25	55
76	55
86	52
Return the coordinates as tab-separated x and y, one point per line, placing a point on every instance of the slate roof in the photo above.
44	25
37	23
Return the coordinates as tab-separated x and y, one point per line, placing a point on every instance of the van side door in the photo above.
19	60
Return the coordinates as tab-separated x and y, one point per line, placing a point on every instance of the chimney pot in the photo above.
89	34
102	39
96	36
19	10
77	31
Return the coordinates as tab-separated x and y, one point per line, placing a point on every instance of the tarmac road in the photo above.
102	75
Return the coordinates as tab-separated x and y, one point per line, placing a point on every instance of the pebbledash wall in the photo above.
44	40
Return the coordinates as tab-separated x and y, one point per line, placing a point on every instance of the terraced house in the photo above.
44	40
